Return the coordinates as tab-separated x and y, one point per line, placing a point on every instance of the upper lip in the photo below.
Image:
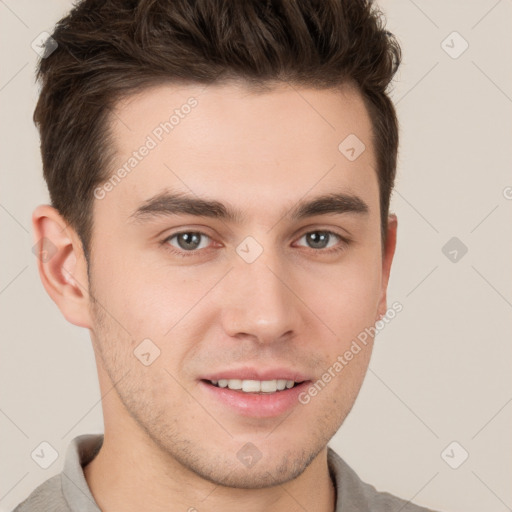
251	373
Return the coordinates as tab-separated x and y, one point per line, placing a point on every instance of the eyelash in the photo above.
185	254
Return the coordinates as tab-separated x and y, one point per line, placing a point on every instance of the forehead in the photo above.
227	141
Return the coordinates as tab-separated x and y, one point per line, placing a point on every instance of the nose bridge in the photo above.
257	302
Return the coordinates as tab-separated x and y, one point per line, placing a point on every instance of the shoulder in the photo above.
354	494
68	490
48	496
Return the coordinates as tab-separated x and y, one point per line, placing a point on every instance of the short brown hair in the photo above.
111	48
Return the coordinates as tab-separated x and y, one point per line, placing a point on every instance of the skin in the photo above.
295	306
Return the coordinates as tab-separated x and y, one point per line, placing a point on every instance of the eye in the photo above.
320	240
186	242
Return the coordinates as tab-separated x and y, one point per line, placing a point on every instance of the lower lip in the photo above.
257	405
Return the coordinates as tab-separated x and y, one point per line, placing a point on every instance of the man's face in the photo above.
266	296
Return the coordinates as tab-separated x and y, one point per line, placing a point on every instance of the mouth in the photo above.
254	398
261	387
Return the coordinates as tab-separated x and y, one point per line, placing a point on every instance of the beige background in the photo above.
440	371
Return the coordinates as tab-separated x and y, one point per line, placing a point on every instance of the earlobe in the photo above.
388	253
61	264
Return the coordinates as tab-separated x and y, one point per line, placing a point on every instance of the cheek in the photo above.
346	296
146	298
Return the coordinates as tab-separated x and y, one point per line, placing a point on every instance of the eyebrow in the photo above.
167	204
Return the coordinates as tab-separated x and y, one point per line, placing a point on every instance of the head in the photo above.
220	176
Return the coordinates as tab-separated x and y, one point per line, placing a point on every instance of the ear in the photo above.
387	258
61	264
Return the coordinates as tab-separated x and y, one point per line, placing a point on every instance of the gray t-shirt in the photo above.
68	491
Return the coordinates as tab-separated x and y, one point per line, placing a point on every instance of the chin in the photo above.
228	468
264	473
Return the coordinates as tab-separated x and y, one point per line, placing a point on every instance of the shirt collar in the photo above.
80	452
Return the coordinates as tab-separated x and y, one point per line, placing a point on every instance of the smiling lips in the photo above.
254	386
251	380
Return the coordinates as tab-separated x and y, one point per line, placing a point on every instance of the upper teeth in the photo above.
255	386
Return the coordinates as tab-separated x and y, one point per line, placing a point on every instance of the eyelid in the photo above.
317	226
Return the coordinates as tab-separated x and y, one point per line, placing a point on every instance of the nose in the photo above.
258	301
